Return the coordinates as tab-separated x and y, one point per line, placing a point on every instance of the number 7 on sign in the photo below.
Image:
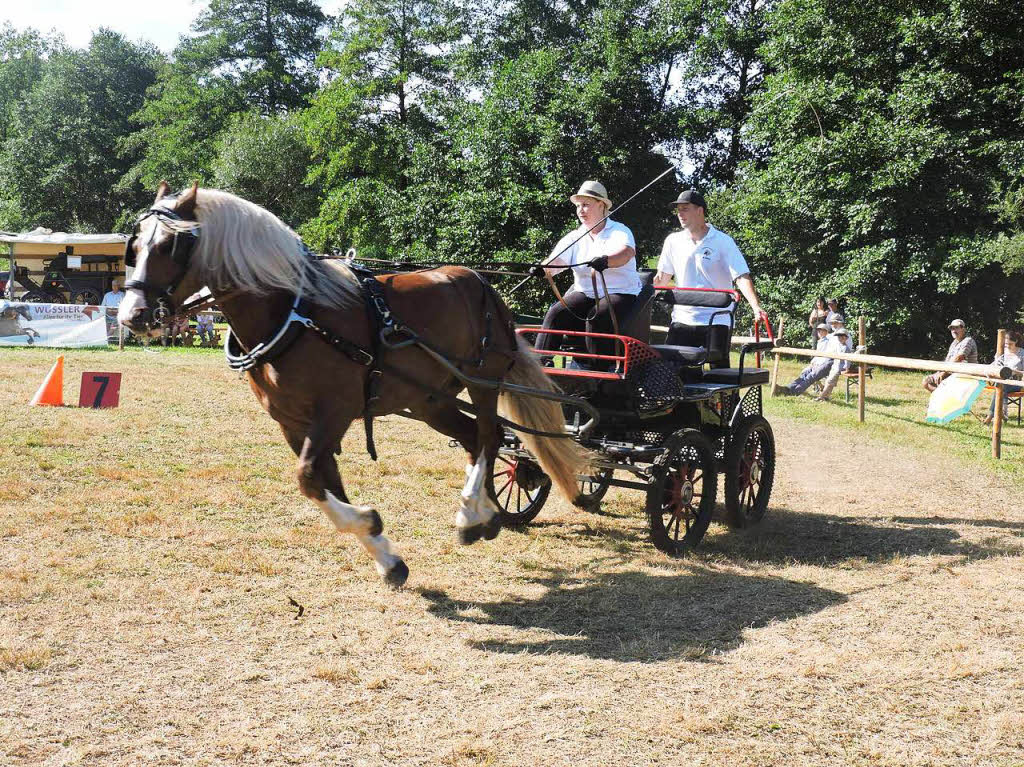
99	390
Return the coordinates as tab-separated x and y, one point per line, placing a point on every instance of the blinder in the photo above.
181	249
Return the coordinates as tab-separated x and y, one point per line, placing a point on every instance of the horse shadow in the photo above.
638	617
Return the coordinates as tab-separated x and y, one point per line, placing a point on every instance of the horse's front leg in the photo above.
320	480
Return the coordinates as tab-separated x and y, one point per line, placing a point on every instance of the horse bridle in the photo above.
181	253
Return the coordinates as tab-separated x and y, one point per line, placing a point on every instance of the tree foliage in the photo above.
60	162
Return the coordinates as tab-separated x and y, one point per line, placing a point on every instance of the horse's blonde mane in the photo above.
243	245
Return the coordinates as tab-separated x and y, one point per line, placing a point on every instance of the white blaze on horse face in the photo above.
476	508
359	521
130	304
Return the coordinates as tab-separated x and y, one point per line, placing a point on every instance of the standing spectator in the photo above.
818	315
1013	358
962	349
833	311
111	301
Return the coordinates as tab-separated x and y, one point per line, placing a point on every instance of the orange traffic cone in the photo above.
52	390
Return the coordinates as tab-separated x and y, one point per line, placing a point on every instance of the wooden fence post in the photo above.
997	421
860	373
775	367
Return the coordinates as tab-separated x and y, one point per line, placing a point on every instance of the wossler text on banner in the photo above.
63	325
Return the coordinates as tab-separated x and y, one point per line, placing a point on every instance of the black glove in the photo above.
535	271
599	264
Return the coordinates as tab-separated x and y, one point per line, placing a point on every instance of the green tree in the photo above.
244	57
61	160
266	160
267	48
22	61
387	68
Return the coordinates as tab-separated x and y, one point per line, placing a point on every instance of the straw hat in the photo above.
594	190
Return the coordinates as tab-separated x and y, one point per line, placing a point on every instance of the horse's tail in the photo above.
562	459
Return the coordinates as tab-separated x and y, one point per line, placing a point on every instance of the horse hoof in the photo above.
492	528
397	575
376	523
468	535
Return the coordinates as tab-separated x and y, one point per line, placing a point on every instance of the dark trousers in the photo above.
560	318
715	339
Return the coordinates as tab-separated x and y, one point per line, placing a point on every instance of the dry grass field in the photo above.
150	557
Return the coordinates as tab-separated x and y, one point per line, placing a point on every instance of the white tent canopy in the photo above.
41	236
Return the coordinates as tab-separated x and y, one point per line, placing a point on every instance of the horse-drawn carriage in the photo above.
664	419
325	343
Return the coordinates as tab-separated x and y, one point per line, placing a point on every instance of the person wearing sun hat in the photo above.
962	349
821	367
701	256
598	244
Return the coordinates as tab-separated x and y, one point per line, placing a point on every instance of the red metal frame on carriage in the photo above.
633	350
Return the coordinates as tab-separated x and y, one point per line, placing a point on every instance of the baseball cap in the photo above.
691	196
840	332
957	324
822	326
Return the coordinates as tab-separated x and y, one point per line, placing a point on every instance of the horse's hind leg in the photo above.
477	516
320	481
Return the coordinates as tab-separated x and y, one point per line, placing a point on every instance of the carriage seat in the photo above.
682	355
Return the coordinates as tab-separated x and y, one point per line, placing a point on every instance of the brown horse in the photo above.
308	362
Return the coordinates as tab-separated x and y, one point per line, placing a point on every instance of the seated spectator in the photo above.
204	328
962	349
821	367
833	311
1013	358
838	323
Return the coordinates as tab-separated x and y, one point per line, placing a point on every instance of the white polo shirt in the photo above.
611	239
714	262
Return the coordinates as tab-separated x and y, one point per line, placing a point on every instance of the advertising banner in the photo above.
64	325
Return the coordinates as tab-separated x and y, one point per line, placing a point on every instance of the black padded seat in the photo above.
750	377
682	355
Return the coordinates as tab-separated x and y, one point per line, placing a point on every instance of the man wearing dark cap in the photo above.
701	256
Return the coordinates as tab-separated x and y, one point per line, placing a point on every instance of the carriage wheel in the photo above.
749	472
42	297
521	487
681	497
87	296
592	489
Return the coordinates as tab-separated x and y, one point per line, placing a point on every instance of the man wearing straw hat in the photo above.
606	247
701	256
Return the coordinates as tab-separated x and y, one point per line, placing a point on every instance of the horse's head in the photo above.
160	249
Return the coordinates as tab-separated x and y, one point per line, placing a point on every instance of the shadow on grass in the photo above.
632	616
826	539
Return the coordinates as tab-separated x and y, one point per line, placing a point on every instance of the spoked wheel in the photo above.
681	497
88	296
521	487
592	489
749	472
